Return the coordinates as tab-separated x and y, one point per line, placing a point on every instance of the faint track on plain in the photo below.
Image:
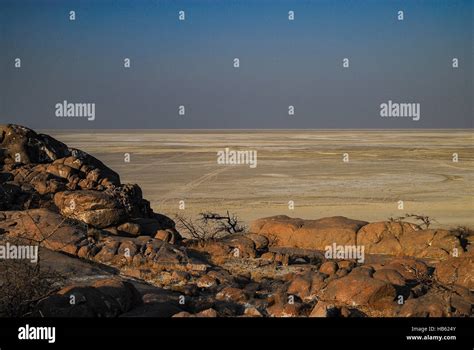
188	187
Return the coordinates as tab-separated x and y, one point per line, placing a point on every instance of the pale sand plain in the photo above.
303	166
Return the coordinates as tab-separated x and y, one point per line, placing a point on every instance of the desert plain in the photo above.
303	166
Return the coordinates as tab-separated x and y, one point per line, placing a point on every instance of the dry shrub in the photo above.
22	284
209	226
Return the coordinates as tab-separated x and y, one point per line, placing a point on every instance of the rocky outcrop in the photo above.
36	167
23	145
75	207
41	172
402	238
68	201
142	257
284	231
383	237
387	238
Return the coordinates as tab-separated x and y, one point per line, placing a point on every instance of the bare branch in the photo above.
209	225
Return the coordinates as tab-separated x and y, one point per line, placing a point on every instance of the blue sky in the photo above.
282	63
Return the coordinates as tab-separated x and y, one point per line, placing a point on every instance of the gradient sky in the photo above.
282	63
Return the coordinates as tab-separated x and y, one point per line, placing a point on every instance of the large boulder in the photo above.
43	227
307	286
283	231
384	237
457	271
410	269
431	244
407	239
425	306
457	302
111	207
359	289
94	208
22	145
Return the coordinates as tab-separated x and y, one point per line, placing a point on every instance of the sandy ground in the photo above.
302	166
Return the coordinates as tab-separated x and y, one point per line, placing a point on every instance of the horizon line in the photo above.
257	129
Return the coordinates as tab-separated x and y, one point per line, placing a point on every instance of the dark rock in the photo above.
26	146
103	298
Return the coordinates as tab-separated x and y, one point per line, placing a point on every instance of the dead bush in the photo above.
209	226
